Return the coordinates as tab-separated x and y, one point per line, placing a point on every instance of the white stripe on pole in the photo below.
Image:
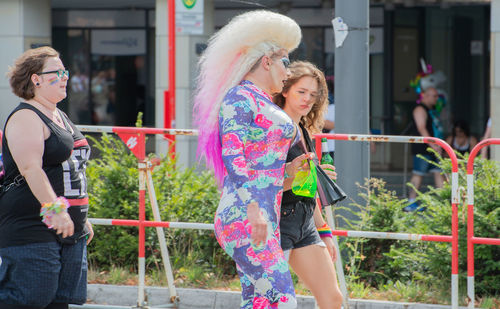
95	129
109	129
384	235
385	138
455	197
101	221
187	225
470	291
94	306
454	291
175	225
142	277
470	189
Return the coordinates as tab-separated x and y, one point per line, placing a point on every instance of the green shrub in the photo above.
379	262
437	220
183	195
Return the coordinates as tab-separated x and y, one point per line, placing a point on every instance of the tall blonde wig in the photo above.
229	56
315	119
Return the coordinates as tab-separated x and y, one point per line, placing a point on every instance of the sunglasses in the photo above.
60	73
286	61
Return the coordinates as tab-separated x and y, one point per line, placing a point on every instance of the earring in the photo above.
38	84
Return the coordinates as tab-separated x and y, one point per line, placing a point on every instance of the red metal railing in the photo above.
471	239
454	198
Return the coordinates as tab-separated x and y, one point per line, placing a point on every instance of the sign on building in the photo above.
189	16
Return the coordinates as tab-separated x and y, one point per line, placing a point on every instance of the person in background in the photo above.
44	229
487	134
310	254
460	139
245	138
425	123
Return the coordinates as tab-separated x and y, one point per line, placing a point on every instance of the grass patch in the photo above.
194	276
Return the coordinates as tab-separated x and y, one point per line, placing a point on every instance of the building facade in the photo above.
117	54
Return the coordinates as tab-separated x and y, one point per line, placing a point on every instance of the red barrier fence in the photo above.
134	138
471	240
454	199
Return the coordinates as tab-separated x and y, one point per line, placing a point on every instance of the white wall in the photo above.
22	23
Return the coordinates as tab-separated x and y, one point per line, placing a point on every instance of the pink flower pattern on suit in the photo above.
255	135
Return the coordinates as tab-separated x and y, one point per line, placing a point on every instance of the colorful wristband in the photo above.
48	210
325	231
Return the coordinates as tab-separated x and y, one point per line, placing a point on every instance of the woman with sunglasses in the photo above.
245	138
44	229
305	237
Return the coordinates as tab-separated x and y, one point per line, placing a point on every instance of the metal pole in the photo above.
338	263
470	219
352	160
141	300
161	236
169	118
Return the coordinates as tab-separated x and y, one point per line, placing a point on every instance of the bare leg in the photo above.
314	266
416	180
438	180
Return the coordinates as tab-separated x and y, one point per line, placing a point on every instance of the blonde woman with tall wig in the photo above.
245	138
305	237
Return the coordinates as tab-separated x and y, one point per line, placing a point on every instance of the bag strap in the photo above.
309	143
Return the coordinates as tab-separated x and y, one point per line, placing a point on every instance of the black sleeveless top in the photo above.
418	148
296	150
64	161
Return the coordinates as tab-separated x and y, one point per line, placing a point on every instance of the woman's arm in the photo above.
26	134
293	167
320	222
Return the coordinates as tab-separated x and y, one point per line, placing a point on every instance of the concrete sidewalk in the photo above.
118	295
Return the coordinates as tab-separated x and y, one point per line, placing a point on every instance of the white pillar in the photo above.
495	76
186	62
23	24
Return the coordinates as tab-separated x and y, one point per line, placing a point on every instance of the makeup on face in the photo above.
53	80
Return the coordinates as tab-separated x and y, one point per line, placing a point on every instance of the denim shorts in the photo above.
297	226
41	273
422	167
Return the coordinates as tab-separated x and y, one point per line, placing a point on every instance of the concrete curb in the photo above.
119	295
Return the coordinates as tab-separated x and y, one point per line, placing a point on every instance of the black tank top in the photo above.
64	161
418	148
296	150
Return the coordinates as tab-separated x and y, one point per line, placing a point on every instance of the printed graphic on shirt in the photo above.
75	182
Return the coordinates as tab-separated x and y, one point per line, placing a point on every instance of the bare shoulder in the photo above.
24	122
419	111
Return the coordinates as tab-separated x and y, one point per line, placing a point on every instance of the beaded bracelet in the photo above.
48	210
325	231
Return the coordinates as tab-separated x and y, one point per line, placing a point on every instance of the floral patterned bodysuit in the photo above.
256	135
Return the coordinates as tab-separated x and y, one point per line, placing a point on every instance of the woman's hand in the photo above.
258	224
91	231
297	164
330	247
329	170
62	224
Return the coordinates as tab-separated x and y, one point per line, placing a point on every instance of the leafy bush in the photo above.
380	262
183	195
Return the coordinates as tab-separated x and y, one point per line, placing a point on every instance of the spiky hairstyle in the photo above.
230	55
